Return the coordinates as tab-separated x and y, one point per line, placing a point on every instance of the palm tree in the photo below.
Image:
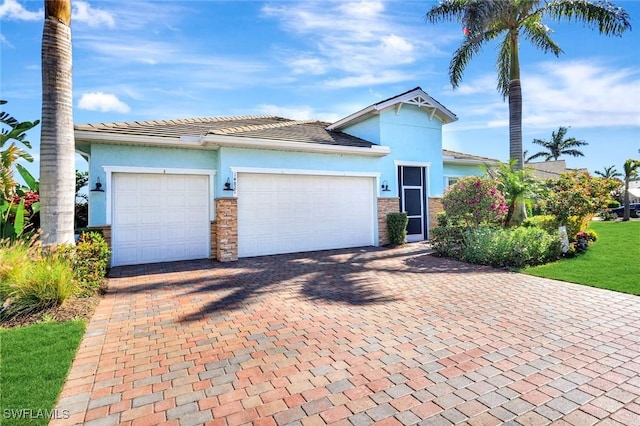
57	152
609	172
486	20
631	170
558	146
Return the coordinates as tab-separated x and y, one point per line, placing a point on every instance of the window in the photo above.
450	181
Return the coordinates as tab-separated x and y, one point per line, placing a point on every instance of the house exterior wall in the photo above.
137	156
461	170
413	138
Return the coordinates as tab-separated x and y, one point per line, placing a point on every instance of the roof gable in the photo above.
416	97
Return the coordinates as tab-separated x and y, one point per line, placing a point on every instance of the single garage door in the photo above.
288	213
159	218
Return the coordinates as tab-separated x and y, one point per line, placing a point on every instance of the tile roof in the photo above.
258	127
462	156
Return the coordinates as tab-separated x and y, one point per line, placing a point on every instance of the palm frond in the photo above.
538	34
461	59
446	11
602	15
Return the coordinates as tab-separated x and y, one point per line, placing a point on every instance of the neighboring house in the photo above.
550	169
257	185
634	191
458	165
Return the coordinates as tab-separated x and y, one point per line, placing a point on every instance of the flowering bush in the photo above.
576	194
475	201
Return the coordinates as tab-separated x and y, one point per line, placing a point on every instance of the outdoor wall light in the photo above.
385	186
227	185
98	187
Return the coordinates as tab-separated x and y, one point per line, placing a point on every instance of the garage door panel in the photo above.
292	213
152	221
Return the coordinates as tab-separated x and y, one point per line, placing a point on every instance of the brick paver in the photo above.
356	336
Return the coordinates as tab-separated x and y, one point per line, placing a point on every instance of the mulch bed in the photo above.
72	308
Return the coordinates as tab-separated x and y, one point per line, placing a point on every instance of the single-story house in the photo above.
550	169
230	187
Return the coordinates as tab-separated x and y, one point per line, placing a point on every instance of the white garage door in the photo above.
159	218
296	213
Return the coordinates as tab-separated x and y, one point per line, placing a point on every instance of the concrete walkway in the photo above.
361	336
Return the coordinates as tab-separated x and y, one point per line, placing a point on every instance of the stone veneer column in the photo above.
435	207
227	229
214	239
385	206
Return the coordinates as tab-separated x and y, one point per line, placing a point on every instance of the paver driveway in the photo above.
358	336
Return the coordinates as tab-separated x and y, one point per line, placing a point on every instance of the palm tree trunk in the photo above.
57	152
627	211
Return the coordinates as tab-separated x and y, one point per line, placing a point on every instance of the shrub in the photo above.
577	194
515	247
397	227
90	260
42	283
550	224
448	241
475	201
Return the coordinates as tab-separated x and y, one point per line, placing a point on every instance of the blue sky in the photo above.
149	60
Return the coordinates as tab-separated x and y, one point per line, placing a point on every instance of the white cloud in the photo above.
580	94
307	65
11	9
303	112
103	102
84	12
4	41
368	79
366	47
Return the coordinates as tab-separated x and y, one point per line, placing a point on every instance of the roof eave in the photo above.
128	139
216	141
469	161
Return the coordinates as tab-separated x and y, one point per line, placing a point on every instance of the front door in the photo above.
413	200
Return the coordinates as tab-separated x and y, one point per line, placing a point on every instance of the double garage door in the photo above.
288	213
162	218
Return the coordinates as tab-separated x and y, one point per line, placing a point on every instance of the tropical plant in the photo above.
576	194
57	151
486	20
515	185
474	200
609	172
15	131
20	214
558	146
631	170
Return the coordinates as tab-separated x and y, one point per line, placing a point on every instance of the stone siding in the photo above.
435	207
214	239
227	229
385	206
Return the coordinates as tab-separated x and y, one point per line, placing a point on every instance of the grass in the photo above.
612	262
34	363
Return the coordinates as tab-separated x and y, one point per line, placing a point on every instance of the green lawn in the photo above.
612	262
34	362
